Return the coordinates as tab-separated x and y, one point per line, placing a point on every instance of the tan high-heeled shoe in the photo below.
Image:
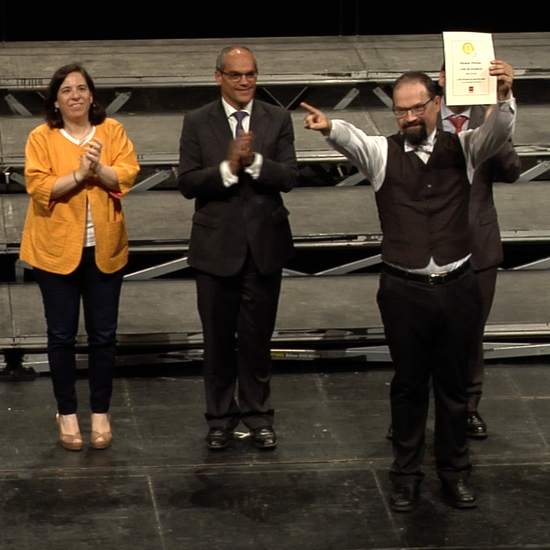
101	440
71	442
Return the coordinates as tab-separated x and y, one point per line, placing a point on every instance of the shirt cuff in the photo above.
338	132
228	178
509	103
255	168
333	130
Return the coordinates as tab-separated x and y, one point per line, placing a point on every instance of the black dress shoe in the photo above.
475	427
218	438
265	438
404	496
460	493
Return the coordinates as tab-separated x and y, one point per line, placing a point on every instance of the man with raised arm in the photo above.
428	297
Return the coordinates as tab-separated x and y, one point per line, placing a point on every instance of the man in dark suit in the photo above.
236	156
486	246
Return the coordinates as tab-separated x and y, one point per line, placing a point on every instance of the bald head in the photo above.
220	60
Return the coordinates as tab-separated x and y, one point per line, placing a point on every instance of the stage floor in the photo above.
324	487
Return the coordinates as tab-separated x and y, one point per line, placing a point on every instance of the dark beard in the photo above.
416	133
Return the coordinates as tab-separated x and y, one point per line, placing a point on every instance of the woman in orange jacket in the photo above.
77	168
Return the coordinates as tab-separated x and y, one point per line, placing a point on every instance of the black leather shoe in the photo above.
460	493
264	438
218	438
475	427
404	496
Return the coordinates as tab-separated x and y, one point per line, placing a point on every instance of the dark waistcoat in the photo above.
423	208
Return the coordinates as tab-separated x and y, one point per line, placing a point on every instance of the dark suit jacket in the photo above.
504	166
251	213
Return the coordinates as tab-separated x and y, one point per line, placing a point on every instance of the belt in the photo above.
433	279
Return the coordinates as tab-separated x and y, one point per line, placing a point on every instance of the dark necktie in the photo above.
239	115
457	121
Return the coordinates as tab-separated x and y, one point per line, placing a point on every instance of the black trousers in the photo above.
487	279
429	330
238	317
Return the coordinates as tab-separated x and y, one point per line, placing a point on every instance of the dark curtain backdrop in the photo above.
207	19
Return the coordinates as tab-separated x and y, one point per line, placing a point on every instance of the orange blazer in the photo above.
53	236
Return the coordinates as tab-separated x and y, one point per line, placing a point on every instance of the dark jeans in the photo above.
61	295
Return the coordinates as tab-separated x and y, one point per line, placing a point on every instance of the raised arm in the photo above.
367	153
485	141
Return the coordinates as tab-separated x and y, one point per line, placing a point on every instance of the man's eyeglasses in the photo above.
236	77
418	110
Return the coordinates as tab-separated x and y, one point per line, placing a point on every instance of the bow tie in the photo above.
422	148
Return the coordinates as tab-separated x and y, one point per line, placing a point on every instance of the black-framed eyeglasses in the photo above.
236	77
418	110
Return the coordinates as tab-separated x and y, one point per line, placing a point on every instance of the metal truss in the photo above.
38	362
16	106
